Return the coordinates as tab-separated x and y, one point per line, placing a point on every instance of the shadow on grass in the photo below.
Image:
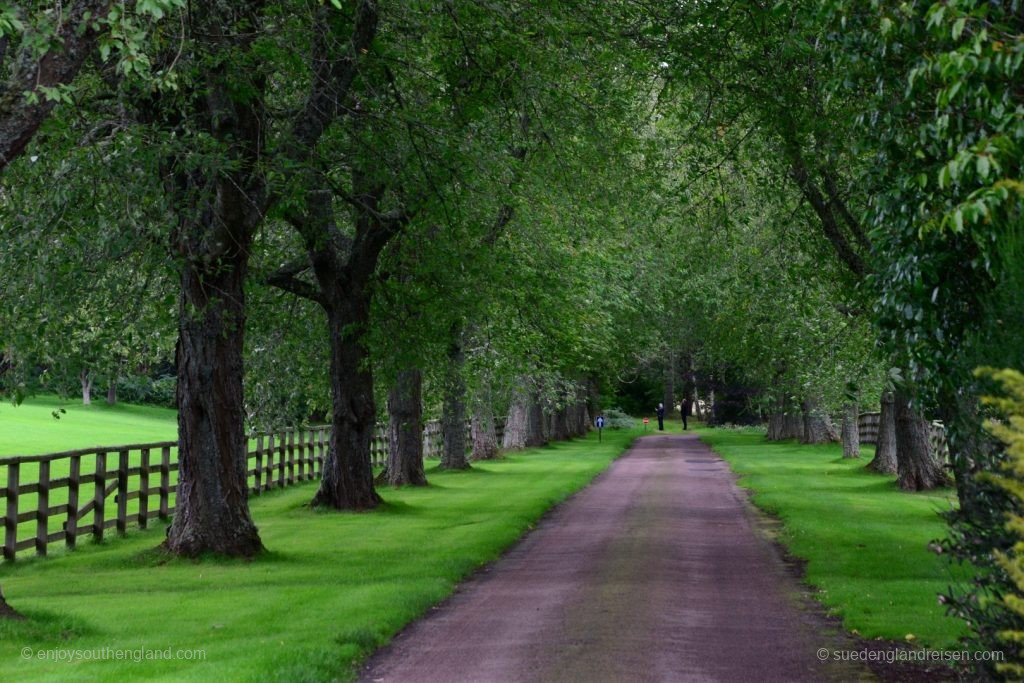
40	626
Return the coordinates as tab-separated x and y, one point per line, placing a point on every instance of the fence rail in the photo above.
867	425
61	496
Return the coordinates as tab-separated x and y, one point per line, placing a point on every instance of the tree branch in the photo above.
285	279
20	118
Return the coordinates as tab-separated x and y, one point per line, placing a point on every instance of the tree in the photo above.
219	206
405	430
885	443
46	59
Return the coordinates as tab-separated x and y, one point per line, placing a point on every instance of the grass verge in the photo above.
331	588
865	541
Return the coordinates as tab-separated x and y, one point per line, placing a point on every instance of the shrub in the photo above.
143	389
1010	431
614	418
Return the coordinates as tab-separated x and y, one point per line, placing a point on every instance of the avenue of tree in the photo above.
355	210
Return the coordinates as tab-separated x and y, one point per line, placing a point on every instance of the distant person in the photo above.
661	417
684	410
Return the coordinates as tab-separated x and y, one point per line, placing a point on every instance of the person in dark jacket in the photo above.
684	409
661	417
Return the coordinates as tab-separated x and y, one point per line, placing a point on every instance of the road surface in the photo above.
655	572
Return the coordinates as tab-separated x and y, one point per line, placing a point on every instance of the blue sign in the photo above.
600	422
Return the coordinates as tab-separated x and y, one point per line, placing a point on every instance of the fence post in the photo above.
11	520
259	463
99	496
291	457
43	508
282	448
269	479
309	452
144	488
122	492
321	455
165	482
71	525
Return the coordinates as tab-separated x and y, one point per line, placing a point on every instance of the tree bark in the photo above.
917	468
6	611
344	268
558	420
485	438
885	444
74	39
776	426
86	378
851	431
405	431
536	424
347	481
669	398
817	425
453	409
580	415
517	424
211	510
219	210
112	391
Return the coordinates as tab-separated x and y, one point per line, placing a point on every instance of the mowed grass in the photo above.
864	540
331	588
31	429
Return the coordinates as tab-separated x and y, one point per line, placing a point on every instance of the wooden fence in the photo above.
867	425
60	496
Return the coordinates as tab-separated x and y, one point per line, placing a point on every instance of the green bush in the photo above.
614	418
146	390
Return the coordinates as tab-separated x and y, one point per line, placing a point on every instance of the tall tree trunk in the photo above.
347	482
485	438
818	427
851	431
405	431
776	430
969	445
917	468
593	400
211	509
794	425
560	424
536	423
453	409
517	424
669	398
86	378
581	418
112	391
885	444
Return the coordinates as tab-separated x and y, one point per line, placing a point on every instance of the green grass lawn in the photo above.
31	429
864	540
331	588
